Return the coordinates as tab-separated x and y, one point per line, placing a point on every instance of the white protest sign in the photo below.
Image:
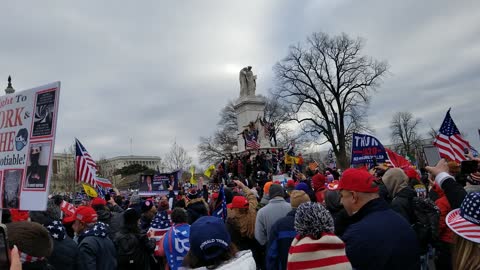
28	122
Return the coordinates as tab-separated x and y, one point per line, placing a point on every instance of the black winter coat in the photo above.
96	249
133	250
65	254
402	203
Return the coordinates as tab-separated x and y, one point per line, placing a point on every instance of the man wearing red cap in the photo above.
96	250
377	237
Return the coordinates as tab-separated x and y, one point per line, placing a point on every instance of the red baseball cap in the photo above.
238	202
291	183
85	214
357	180
98	201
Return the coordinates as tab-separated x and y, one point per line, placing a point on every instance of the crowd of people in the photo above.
363	218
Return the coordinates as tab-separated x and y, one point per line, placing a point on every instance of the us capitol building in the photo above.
63	169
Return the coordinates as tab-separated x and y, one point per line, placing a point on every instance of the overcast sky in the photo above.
159	72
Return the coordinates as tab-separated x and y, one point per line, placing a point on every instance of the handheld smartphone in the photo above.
4	250
469	166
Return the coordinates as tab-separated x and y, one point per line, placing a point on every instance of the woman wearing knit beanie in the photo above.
314	226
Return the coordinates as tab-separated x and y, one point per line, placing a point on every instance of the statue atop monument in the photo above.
248	82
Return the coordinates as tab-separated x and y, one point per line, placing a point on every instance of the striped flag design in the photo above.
449	142
252	144
328	252
85	166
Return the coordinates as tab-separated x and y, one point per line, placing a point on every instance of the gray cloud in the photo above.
159	72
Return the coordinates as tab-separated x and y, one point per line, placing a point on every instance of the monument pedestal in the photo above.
248	109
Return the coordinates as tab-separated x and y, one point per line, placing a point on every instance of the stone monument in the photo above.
249	109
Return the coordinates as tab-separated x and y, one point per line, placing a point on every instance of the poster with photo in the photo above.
27	136
157	184
37	166
11	188
44	114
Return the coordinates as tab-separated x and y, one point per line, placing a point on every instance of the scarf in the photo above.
99	229
56	230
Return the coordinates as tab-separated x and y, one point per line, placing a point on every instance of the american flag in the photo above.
252	144
449	142
221	209
103	182
85	166
159	226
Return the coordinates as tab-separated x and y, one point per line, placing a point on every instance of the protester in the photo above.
211	248
276	208
283	232
103	212
266	197
65	254
148	212
96	249
290	186
401	193
465	222
175	243
443	248
415	183
315	246
134	249
318	183
33	242
304	186
197	206
473	183
116	203
377	237
241	218
461	220
336	209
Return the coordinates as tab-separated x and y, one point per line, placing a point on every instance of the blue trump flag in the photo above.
365	148
221	205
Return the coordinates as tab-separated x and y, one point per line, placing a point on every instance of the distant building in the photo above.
63	169
63	173
108	166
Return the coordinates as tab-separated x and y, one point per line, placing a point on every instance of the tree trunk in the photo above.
342	160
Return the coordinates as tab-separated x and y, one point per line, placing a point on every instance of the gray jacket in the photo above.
267	216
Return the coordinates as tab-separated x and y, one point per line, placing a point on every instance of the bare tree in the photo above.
327	84
276	114
177	158
212	149
404	133
432	133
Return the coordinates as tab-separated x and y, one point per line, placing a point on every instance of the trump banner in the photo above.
366	148
28	122
159	183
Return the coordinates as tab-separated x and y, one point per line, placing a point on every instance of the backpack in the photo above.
129	251
426	221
